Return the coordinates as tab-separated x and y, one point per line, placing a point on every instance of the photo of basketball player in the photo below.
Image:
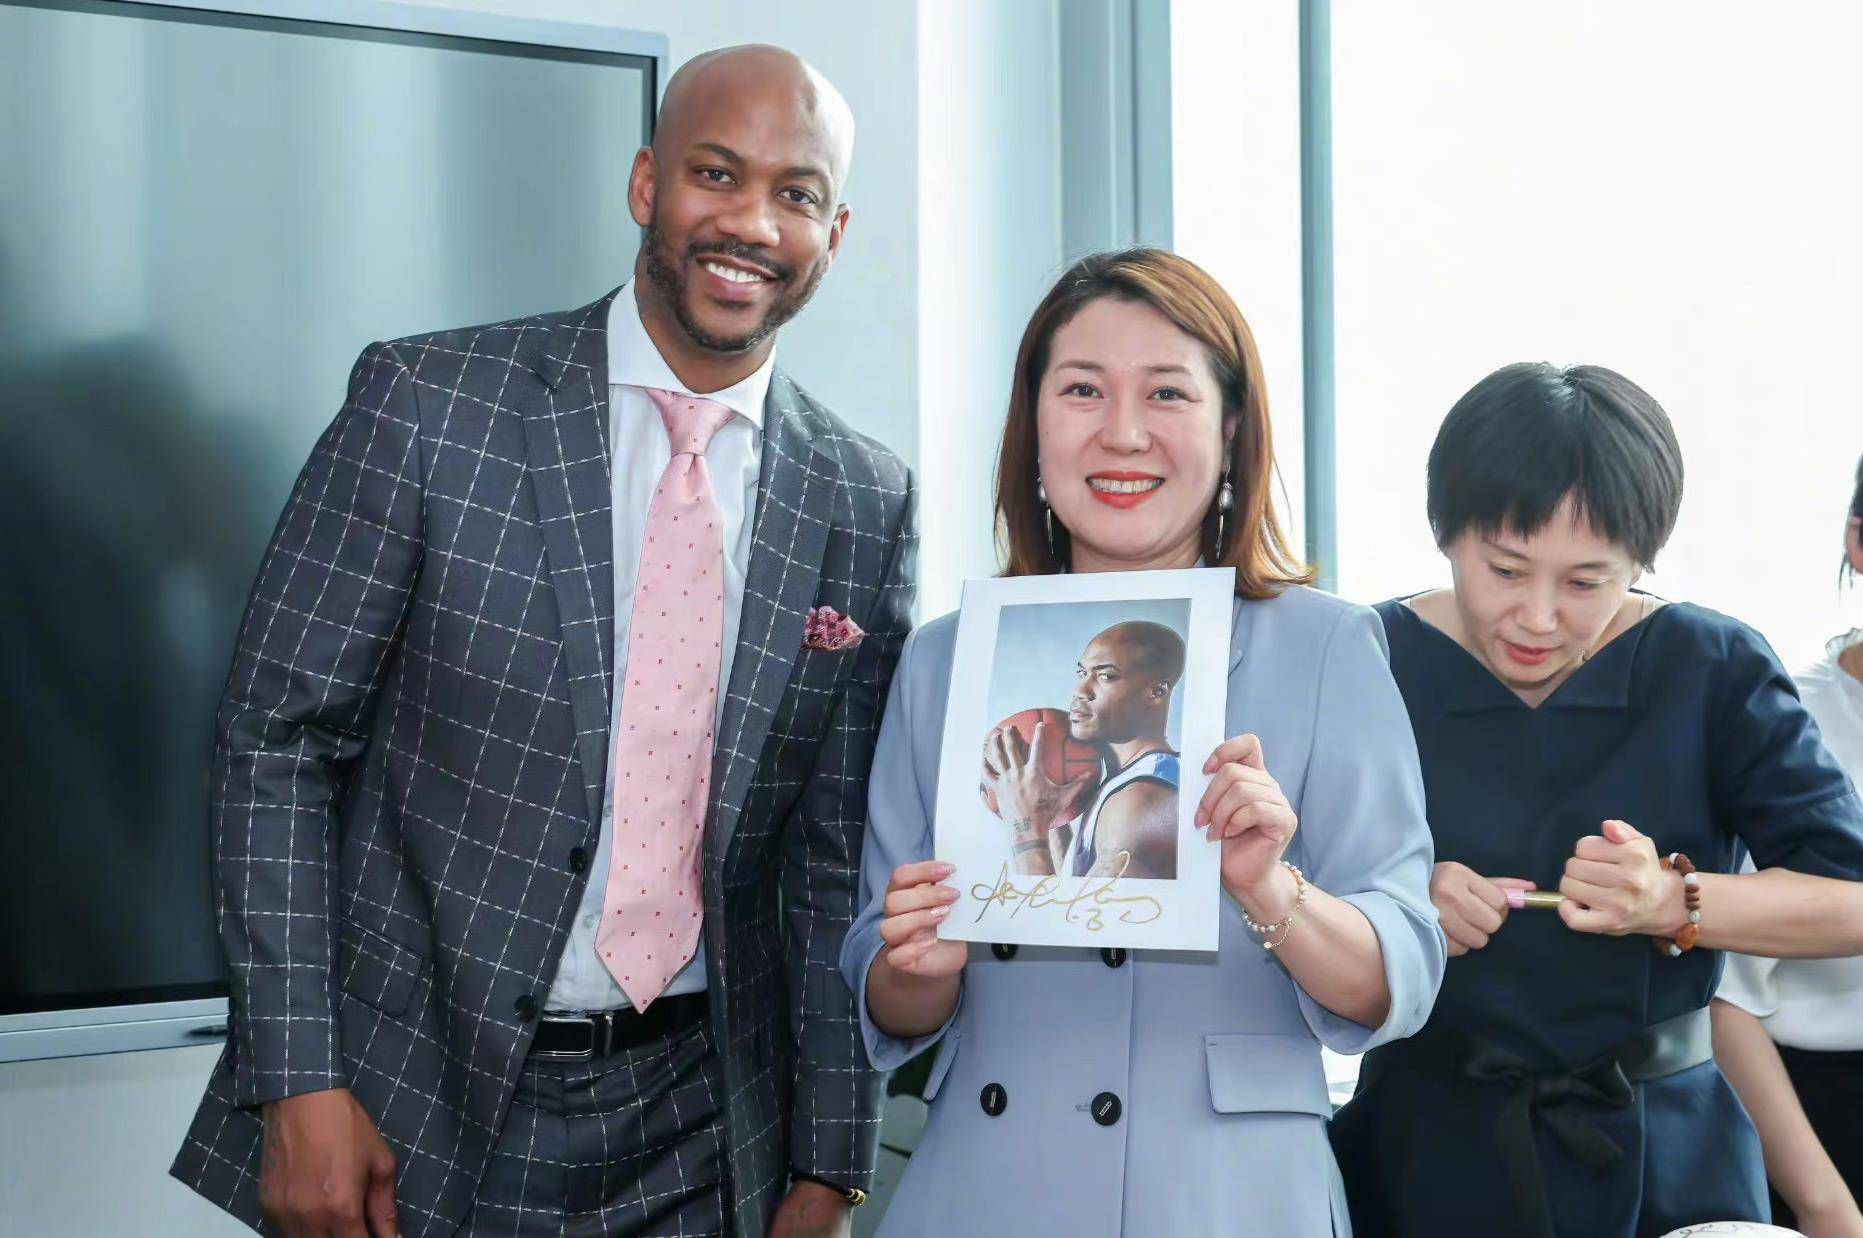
1067	813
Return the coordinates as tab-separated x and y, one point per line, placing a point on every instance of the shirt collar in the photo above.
635	361
1847	685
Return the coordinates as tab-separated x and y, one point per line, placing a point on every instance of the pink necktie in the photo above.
663	742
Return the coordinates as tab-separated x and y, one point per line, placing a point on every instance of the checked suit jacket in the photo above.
411	757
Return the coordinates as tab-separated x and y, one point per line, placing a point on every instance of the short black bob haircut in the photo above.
1530	434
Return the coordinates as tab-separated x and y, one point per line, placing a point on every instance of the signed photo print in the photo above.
1081	711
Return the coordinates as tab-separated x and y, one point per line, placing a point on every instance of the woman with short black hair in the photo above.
1580	736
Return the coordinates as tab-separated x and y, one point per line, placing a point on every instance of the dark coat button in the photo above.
1106	1109
1003	951
995	1100
578	859
526	1007
1115	957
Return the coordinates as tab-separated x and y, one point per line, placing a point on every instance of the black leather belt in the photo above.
1565	1100
578	1037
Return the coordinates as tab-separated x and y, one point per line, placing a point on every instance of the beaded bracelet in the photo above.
1689	933
1285	924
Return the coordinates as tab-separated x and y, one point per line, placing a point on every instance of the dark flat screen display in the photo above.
203	220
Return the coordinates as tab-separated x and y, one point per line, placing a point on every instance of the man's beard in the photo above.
667	274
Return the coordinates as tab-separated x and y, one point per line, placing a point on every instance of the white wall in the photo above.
854	347
85	1145
989	246
945	257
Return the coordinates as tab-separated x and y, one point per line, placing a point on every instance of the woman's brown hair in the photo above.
1252	540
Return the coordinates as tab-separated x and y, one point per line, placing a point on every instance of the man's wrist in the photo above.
850	1196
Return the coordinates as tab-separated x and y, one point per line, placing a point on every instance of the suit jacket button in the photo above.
578	859
1115	957
1003	952
995	1099
1106	1109
526	1007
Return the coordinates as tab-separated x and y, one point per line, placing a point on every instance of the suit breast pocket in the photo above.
377	972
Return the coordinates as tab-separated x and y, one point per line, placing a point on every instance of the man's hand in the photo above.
812	1210
326	1170
1028	802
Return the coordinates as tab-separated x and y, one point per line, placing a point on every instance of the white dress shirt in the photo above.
640	451
1812	1003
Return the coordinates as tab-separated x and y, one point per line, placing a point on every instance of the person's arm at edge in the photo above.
1796	1162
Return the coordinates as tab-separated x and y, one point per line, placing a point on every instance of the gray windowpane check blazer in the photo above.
413	742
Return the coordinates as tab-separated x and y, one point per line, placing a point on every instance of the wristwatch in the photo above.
854	1196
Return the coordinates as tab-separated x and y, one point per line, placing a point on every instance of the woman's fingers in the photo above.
1596	872
1227	780
1587	895
917	898
920	872
1483	914
900	929
1242	750
1463	934
928	956
1265	815
1584	919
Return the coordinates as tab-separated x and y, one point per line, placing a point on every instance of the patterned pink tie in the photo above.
663	742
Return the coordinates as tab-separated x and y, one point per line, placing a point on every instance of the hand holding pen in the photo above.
1472	907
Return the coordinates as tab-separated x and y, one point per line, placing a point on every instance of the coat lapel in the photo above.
795	507
566	431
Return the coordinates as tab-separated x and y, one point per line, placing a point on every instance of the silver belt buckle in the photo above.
575	1055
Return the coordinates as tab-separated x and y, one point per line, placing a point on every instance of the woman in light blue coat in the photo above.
1105	1093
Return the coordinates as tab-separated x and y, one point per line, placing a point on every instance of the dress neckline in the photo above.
1603	679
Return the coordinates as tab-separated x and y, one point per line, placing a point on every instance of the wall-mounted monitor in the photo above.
204	216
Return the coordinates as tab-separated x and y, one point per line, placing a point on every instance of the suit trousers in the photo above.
628	1143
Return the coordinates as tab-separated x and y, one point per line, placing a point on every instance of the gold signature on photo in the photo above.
1090	907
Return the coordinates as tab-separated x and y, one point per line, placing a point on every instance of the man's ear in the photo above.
641	186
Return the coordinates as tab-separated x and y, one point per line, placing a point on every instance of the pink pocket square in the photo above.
830	631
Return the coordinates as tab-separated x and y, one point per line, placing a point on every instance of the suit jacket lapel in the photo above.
795	507
566	430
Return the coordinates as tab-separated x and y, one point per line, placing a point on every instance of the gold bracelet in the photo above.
1285	924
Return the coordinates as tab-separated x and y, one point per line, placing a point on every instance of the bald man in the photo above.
541	778
1121	705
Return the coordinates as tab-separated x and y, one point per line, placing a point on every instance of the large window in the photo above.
1659	188
1662	188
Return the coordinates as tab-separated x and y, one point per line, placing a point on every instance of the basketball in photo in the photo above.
1064	758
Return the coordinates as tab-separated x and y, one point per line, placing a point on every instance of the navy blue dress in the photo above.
1687	727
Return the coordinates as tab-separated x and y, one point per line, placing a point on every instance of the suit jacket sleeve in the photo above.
899	831
323	620
1363	834
835	1123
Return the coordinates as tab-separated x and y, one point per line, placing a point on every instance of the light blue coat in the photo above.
1215	1058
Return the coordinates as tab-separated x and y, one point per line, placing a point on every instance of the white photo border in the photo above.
1000	906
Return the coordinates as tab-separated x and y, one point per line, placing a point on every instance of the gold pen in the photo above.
1539	900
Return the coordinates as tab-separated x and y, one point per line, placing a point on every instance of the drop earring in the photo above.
1225	502
1047	516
